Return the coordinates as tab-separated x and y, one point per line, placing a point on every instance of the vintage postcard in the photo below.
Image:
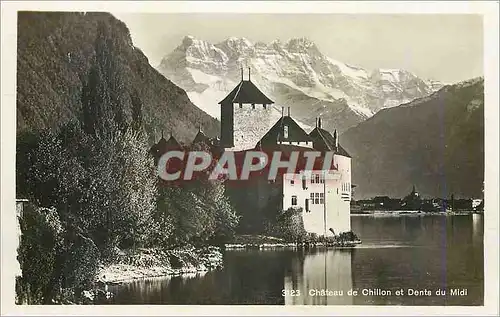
249	158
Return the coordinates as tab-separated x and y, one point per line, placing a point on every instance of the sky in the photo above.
444	47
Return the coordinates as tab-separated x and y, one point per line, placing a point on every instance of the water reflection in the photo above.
320	278
477	228
428	252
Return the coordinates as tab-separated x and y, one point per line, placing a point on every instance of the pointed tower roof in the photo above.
247	92
201	137
162	140
164	145
172	143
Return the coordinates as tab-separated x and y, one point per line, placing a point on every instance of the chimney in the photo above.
316	122
319	123
282	111
288	111
242	74
335	137
248	73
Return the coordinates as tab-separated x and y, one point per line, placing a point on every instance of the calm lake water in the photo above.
398	253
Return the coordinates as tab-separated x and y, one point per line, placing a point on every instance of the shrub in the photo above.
54	256
288	225
41	242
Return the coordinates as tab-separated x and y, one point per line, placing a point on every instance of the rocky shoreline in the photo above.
261	242
149	263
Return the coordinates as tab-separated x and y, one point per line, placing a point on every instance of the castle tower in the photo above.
244	106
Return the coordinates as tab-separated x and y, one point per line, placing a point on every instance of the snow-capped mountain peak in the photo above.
300	45
288	72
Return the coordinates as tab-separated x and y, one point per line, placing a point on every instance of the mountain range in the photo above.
294	74
435	143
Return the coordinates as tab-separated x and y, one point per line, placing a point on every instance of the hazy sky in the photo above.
448	48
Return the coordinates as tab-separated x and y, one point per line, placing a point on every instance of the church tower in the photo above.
244	112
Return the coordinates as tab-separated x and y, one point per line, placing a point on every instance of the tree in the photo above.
122	189
198	208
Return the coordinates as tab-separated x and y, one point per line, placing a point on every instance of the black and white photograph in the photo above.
257	158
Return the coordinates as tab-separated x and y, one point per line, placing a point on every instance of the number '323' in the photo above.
290	292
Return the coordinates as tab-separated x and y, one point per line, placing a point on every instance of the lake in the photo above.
415	255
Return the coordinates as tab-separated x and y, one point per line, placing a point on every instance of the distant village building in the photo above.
412	201
476	203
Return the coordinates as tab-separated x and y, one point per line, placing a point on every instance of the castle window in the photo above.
294	200
321	198
316	198
241	105
264	106
312	198
303	182
292	182
285	132
317	180
253	106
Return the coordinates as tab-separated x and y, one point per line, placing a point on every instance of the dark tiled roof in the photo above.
201	137
172	143
286	151
342	151
285	148
295	132
323	140
164	145
247	92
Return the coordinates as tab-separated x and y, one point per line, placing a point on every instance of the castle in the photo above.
323	195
